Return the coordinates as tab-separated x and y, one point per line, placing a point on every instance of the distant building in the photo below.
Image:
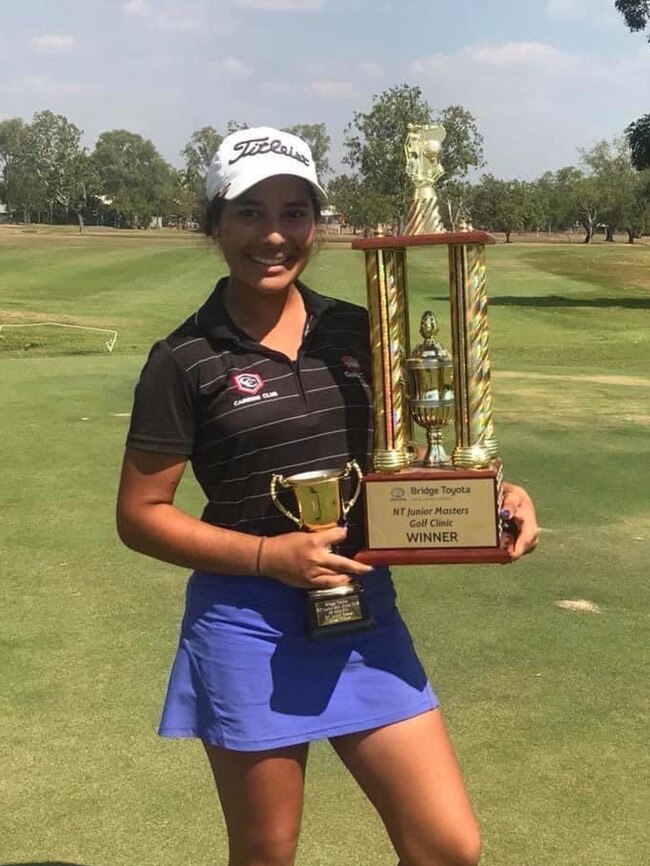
332	221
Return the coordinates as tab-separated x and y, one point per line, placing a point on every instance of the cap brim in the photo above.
241	185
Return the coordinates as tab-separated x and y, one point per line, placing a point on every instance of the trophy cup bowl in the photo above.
430	392
317	494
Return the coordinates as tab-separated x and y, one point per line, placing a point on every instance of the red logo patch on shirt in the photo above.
351	363
247	383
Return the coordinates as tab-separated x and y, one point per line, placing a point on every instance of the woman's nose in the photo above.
273	235
272	230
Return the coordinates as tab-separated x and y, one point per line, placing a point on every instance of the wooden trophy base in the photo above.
431	516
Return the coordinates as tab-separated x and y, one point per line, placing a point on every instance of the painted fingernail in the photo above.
505	513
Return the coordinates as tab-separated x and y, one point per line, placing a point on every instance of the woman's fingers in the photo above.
307	559
518	507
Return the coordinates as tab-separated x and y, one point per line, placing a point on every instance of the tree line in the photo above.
46	174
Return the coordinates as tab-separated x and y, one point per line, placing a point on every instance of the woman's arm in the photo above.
149	522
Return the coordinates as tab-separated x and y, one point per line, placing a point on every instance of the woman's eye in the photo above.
297	214
249	213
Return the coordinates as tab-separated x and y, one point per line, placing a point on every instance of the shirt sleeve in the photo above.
163	418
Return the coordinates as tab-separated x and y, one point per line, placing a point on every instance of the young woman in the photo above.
258	381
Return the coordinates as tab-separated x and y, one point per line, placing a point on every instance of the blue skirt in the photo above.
246	677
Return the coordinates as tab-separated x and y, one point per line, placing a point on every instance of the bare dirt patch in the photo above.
577	605
27	317
597	379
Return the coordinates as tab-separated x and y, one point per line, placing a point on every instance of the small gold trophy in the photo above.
320	506
430	392
440	509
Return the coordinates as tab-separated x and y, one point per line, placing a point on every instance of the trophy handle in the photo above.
279	479
350	467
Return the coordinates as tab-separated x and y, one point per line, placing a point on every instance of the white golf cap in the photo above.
249	156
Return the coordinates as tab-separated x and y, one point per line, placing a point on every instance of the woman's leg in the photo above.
261	796
409	772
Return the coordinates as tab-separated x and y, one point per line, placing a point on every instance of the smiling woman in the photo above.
257	382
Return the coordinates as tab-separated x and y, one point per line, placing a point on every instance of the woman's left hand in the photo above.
518	507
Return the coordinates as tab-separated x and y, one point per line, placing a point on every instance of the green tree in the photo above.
610	165
13	133
361	209
634	216
638	139
199	150
316	136
636	13
134	176
637	17
198	154
587	200
375	147
44	167
463	145
501	205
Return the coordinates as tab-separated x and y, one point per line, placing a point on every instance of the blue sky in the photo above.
542	77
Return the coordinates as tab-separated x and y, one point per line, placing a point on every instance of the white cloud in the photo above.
601	11
233	67
534	103
283	5
51	87
137	8
331	89
369	70
278	88
54	43
179	18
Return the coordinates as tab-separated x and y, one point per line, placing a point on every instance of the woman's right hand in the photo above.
306	559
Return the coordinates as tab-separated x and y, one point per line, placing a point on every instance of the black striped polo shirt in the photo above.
240	411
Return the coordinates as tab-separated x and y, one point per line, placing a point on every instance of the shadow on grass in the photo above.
559	301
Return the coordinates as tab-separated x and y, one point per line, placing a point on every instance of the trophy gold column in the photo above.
435	509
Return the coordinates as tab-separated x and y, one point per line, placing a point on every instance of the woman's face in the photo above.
266	234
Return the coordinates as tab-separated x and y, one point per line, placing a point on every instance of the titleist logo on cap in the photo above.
257	146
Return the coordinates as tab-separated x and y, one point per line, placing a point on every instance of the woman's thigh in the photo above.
409	772
261	795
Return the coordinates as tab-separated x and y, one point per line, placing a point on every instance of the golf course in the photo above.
542	666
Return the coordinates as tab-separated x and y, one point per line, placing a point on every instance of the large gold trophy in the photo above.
439	509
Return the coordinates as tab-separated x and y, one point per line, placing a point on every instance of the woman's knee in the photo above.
276	848
465	852
460	850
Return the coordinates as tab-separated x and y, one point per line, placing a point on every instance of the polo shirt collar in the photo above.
213	321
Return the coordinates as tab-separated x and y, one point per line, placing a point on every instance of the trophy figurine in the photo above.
422	148
440	509
317	495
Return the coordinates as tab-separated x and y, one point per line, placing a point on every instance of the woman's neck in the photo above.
274	320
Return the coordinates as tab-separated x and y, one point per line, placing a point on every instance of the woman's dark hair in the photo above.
214	208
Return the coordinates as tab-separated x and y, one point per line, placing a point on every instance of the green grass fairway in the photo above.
548	706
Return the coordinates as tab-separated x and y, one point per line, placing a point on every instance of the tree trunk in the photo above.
630	236
507	233
80	220
589	232
609	234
